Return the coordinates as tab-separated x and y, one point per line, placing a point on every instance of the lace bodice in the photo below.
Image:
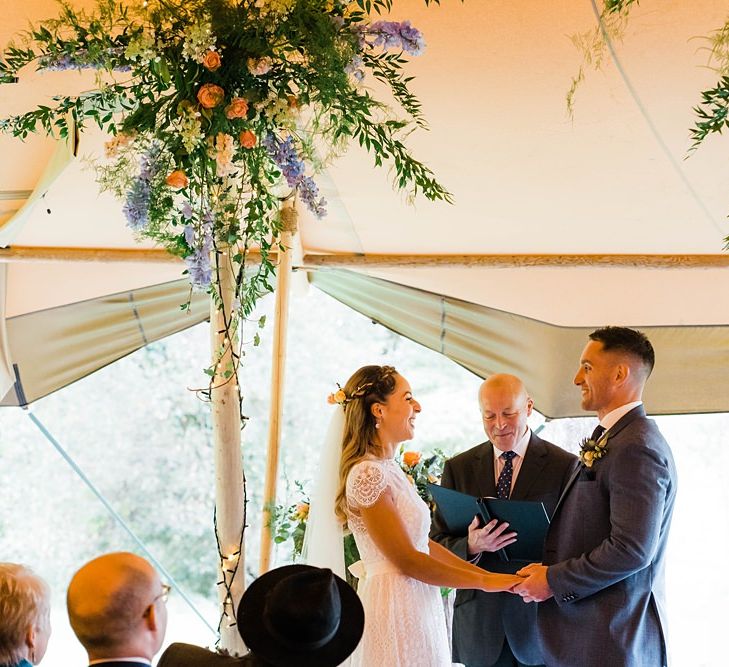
366	482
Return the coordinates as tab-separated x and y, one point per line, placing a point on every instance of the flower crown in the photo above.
340	397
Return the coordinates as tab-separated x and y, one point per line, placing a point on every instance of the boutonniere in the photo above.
591	450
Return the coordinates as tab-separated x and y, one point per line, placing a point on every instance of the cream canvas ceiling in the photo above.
525	177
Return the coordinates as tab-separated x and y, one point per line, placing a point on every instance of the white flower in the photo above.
142	47
199	39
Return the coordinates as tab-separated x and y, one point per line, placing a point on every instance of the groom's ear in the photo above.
622	373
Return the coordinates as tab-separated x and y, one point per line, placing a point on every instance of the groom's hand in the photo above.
535	588
489	538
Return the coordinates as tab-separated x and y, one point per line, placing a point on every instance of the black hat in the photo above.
301	615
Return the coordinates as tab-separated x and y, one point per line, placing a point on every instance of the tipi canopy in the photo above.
559	224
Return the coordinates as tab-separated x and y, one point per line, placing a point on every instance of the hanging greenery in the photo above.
220	109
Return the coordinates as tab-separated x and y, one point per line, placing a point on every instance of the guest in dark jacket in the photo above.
25	623
294	615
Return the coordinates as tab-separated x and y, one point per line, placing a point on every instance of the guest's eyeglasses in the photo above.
165	594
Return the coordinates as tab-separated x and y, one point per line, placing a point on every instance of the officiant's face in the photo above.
505	408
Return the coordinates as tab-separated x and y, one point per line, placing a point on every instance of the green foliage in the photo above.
617	6
217	107
712	112
592	44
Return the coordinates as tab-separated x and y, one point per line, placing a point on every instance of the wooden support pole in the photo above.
280	328
229	480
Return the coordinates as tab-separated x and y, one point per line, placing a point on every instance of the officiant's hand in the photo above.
489	538
535	588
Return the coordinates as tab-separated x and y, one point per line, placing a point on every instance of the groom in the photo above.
601	587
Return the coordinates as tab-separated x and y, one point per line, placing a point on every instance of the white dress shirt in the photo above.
612	417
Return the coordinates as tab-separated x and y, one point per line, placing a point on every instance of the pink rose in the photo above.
210	95
238	108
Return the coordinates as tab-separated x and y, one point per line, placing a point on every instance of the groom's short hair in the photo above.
629	341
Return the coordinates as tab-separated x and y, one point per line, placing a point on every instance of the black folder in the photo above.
527	518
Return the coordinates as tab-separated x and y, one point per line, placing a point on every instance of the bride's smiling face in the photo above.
397	414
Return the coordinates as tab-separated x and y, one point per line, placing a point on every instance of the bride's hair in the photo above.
368	385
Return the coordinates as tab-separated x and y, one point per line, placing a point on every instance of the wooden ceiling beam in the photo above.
27	254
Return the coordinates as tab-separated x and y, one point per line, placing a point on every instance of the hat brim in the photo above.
258	639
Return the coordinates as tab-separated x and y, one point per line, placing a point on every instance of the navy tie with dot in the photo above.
503	485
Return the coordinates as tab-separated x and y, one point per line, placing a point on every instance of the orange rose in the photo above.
302	511
247	139
210	95
211	61
411	459
177	179
238	108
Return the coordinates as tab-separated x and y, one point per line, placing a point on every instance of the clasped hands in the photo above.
534	586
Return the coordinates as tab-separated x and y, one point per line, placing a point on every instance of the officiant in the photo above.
498	629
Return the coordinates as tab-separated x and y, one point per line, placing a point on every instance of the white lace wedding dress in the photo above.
404	618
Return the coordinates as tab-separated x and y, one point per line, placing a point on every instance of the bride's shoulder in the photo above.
367	479
367	467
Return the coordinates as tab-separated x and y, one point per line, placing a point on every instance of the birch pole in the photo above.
278	366
229	479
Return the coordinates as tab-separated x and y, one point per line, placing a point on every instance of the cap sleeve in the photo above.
365	483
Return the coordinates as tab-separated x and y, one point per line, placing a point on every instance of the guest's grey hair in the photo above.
24	603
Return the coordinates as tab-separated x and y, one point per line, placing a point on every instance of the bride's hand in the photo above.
494	583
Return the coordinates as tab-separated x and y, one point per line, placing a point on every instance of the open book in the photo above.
527	518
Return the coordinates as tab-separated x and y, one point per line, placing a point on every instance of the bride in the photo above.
403	568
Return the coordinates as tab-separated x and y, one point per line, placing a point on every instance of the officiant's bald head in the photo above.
505	408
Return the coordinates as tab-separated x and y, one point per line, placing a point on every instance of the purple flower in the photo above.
80	60
308	191
198	266
201	242
186	210
355	68
136	206
394	35
283	153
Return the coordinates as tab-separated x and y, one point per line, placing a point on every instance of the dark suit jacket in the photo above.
482	620
187	655
606	550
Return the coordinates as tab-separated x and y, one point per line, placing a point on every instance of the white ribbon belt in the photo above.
363	570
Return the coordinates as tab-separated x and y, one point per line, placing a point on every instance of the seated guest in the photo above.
293	615
116	605
25	616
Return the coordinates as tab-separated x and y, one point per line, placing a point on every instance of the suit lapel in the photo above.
484	470
635	413
575	474
531	467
